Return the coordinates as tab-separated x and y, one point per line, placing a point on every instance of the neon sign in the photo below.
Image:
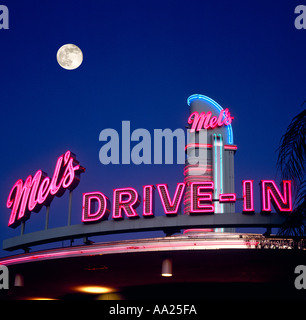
215	106
89	214
37	191
33	193
126	200
171	207
269	191
206	121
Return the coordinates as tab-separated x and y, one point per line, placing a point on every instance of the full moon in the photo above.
69	56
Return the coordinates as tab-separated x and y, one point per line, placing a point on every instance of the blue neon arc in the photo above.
218	107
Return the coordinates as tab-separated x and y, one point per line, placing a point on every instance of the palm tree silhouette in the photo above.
291	163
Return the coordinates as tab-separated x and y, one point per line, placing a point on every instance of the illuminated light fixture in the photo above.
19	281
167	268
41	298
217	106
94	289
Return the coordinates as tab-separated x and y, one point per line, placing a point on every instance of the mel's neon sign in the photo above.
206	121
37	191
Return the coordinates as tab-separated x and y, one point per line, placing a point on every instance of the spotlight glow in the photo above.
94	289
41	298
166	274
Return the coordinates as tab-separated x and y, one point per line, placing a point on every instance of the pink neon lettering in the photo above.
126	200
201	201
33	199
198	199
30	195
281	202
53	187
89	213
248	196
227	197
213	122
206	121
43	194
16	199
220	121
148	201
228	119
171	207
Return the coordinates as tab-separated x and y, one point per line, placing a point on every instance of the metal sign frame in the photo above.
169	225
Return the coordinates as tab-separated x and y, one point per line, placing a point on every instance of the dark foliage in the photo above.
292	164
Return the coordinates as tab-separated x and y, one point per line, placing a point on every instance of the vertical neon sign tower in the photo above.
210	152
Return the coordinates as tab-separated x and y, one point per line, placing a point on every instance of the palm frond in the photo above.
292	164
292	151
296	222
301	194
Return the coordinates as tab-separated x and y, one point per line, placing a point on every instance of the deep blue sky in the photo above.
142	59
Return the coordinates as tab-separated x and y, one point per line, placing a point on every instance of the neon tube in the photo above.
217	106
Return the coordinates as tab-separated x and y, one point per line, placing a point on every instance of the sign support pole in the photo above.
22	227
47	218
69	208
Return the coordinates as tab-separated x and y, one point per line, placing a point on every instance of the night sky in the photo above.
142	59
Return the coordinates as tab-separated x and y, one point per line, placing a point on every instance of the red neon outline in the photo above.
197	230
230	147
99	214
227	197
202	145
198	145
150	200
201	196
125	205
248	196
267	192
179	191
203	170
31	194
